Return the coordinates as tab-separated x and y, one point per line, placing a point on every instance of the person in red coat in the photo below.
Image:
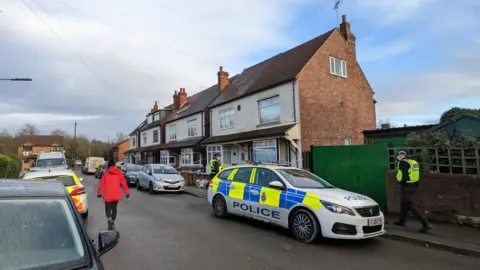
111	186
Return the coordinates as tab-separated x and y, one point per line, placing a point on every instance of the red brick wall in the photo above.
442	196
122	148
333	108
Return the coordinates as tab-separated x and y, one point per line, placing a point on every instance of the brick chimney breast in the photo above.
222	79
175	100
182	97
345	30
155	107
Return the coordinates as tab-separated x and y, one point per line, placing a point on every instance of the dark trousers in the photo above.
111	210
407	194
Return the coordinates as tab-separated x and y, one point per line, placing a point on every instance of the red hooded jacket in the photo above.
111	183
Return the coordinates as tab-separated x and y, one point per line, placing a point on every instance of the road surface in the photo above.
178	231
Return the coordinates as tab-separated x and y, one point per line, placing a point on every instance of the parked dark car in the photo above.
41	228
131	171
101	170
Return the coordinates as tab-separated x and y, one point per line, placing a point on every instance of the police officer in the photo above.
408	176
215	165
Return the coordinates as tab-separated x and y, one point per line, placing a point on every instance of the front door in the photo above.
268	200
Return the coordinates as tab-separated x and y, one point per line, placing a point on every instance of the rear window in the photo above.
40	234
50	162
66	180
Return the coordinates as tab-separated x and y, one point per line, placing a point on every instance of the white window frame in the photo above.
348	141
166	158
187	157
264	144
226	118
157	137
144	138
149	119
272	101
192	128
211	150
156	117
134	142
172	132
333	66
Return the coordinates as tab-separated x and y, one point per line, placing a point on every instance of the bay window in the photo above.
166	158
265	151
188	157
269	110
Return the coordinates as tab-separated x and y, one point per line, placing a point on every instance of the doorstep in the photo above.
458	239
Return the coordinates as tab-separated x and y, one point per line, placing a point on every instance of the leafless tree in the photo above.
121	136
59	132
29	129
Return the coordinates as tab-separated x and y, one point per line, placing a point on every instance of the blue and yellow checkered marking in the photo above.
273	197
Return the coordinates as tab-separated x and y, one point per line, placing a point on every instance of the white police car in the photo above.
295	199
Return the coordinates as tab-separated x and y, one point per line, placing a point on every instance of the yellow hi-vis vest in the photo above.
413	172
212	167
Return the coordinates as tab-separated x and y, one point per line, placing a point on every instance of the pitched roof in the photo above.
453	120
277	70
197	103
39	140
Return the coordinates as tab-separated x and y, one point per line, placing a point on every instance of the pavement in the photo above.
458	239
178	231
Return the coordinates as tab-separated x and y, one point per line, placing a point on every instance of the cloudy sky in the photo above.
103	63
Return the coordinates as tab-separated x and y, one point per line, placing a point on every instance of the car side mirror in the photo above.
276	185
107	240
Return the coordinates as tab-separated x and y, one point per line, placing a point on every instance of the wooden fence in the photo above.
448	161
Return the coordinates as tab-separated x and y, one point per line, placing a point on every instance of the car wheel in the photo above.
219	207
150	188
137	183
304	226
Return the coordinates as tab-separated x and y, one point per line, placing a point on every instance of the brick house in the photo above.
29	146
313	94
120	149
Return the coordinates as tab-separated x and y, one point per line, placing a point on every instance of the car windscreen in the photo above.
164	170
50	162
66	180
40	234
303	179
134	168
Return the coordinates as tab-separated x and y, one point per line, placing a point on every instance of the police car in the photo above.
294	199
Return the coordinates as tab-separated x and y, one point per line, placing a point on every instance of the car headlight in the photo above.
338	209
182	180
159	179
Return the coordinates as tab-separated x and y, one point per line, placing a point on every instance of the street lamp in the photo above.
17	79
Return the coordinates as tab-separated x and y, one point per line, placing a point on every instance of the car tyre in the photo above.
137	184
150	188
304	226
219	207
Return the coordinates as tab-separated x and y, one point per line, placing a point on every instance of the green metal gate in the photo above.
359	168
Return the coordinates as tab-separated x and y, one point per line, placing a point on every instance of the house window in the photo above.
269	110
144	135
134	142
27	148
156	117
155	136
173	132
55	148
188	157
226	118
338	67
192	128
149	119
166	158
265	151
348	141
211	150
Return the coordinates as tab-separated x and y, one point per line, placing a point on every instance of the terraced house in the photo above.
313	94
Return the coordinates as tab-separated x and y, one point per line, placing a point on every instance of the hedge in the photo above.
10	166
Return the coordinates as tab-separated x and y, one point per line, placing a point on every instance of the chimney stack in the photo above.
222	79
347	33
155	107
175	100
182	97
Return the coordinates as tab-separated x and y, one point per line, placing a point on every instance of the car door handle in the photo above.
254	192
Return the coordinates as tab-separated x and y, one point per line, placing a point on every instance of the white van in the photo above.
91	164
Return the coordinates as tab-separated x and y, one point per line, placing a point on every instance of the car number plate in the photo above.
172	186
375	222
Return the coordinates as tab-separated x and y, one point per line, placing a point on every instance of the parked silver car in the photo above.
160	178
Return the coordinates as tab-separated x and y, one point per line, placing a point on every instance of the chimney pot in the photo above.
344	18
